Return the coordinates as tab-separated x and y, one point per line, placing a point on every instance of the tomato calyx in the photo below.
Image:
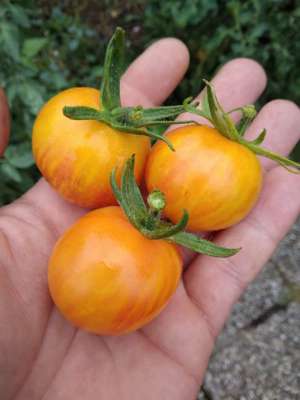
222	121
136	120
148	220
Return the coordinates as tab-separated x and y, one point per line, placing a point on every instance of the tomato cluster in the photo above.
117	267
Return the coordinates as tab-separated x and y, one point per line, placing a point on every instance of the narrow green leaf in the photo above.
260	138
205	104
83	113
202	246
112	71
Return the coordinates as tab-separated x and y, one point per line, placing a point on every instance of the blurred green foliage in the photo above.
46	46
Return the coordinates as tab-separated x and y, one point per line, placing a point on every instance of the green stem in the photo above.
283	161
222	121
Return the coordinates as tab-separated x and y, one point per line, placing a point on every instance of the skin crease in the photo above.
43	357
77	157
102	278
216	180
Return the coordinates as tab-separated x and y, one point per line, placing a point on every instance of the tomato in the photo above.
77	157
4	122
107	278
215	179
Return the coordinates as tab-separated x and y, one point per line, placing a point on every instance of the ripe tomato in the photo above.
77	157
4	122
215	179
107	278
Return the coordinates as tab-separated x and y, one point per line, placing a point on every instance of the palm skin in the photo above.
43	357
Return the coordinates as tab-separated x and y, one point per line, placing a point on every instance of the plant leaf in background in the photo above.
11	172
32	46
19	156
18	14
9	40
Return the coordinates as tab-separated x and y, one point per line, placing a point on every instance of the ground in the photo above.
257	357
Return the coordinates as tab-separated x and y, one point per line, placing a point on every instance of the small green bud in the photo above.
156	200
249	111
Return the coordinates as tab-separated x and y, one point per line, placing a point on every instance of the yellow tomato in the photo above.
77	157
215	179
107	278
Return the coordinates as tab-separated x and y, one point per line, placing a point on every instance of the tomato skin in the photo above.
107	278
215	179
77	157
4	122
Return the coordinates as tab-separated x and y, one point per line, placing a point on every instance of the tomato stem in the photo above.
148	219
134	120
222	121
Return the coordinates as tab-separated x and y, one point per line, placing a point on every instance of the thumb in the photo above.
4	122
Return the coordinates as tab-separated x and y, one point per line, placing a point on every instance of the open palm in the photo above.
43	357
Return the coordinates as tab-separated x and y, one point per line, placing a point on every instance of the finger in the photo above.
281	119
153	76
4	122
216	284
239	82
134	90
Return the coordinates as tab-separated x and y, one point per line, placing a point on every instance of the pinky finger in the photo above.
4	122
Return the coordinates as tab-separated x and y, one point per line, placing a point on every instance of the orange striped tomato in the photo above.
215	179
107	278
77	157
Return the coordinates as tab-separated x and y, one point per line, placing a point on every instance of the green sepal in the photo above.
112	71
200	245
205	105
84	113
143	132
260	138
148	220
219	118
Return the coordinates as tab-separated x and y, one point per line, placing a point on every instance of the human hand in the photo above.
43	357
